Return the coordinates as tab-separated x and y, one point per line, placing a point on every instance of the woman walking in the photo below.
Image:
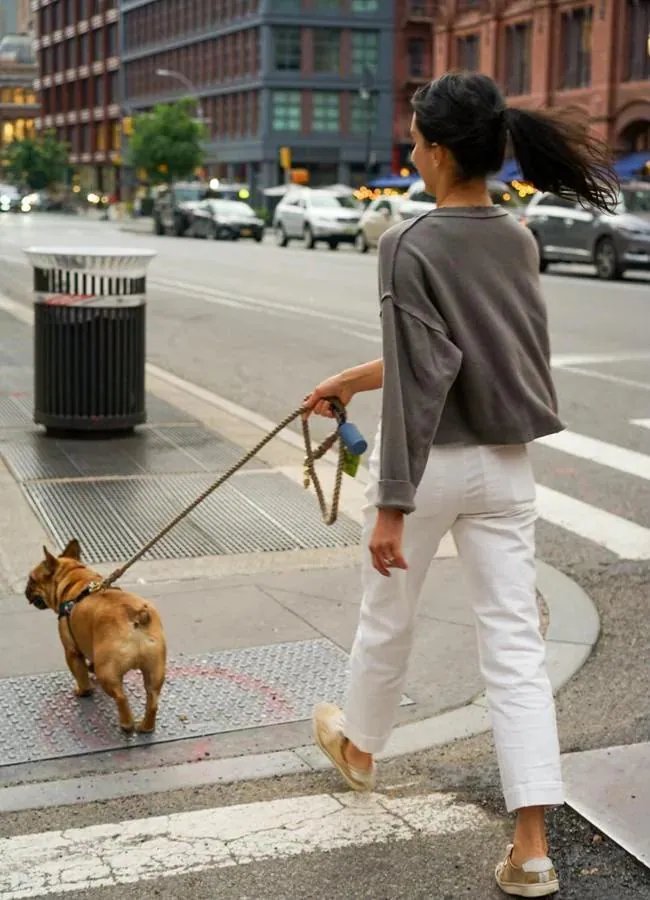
467	385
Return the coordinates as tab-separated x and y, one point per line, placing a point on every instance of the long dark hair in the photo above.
467	113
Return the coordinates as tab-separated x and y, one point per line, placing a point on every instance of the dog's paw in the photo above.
86	693
127	727
143	728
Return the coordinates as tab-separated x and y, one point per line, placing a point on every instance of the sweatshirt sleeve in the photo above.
421	363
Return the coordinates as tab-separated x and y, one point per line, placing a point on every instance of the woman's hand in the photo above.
386	541
337	386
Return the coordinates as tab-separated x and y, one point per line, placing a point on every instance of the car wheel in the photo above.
606	260
362	243
259	237
158	227
179	226
333	245
281	238
543	263
308	238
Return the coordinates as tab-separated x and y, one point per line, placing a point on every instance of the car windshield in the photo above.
232	207
634	200
188	194
324	200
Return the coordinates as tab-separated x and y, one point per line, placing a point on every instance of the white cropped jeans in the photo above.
486	496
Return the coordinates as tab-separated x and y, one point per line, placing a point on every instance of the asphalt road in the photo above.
260	326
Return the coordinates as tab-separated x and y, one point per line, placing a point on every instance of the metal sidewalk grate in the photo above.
209	694
161	450
250	513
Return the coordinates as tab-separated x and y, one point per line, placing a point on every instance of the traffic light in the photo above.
285	158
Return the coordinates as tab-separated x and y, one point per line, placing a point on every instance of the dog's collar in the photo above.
66	607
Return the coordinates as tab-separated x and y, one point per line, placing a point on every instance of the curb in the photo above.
574	627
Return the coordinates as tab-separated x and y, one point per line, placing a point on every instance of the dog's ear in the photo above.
50	561
72	550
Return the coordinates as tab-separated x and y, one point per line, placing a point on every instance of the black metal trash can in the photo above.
89	338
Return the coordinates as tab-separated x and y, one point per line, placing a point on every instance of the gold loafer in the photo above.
327	722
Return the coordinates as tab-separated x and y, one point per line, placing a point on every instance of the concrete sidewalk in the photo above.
258	598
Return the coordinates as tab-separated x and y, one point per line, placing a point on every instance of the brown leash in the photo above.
311	456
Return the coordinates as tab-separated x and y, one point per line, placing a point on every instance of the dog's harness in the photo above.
66	607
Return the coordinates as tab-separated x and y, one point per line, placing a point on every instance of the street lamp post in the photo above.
184	80
365	94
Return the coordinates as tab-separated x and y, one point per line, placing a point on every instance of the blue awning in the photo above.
393	181
631	165
509	171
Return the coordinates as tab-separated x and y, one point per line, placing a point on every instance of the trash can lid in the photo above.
97	260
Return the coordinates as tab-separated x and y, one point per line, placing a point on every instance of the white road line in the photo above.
244	301
601	376
628	461
561	360
642	423
624	538
83	859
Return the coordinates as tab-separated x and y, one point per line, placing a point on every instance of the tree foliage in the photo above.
36	163
166	142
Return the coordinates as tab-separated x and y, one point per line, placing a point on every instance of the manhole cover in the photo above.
208	694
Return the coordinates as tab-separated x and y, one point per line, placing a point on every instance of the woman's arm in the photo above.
367	377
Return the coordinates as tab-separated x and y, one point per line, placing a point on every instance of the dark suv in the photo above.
174	204
568	232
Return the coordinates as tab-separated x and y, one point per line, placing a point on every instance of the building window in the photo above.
70	16
326	5
576	47
113	88
327	50
84	50
287	111
518	51
365	51
287	54
99	91
417	57
98	44
468	49
112	40
327	111
363	114
85	138
638	40
365	6
83	94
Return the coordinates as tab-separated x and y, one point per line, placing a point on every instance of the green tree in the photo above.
166	142
36	163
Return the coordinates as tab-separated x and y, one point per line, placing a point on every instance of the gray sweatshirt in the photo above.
465	341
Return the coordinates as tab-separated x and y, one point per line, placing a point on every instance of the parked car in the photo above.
173	206
377	218
568	232
10	199
418	201
316	215
226	219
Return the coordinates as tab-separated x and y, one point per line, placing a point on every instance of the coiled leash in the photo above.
352	446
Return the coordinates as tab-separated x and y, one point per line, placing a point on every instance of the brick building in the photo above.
269	74
556	53
77	48
414	46
18	101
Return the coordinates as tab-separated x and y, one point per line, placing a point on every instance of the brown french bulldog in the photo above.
111	631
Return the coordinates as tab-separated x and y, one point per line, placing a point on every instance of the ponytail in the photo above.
557	153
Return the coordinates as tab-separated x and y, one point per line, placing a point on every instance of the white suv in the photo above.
313	215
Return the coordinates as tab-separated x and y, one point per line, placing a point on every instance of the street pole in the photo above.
184	80
365	94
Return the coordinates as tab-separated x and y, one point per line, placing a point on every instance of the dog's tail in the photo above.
142	617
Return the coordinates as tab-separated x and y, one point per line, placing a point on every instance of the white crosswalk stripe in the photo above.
621	536
82	859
